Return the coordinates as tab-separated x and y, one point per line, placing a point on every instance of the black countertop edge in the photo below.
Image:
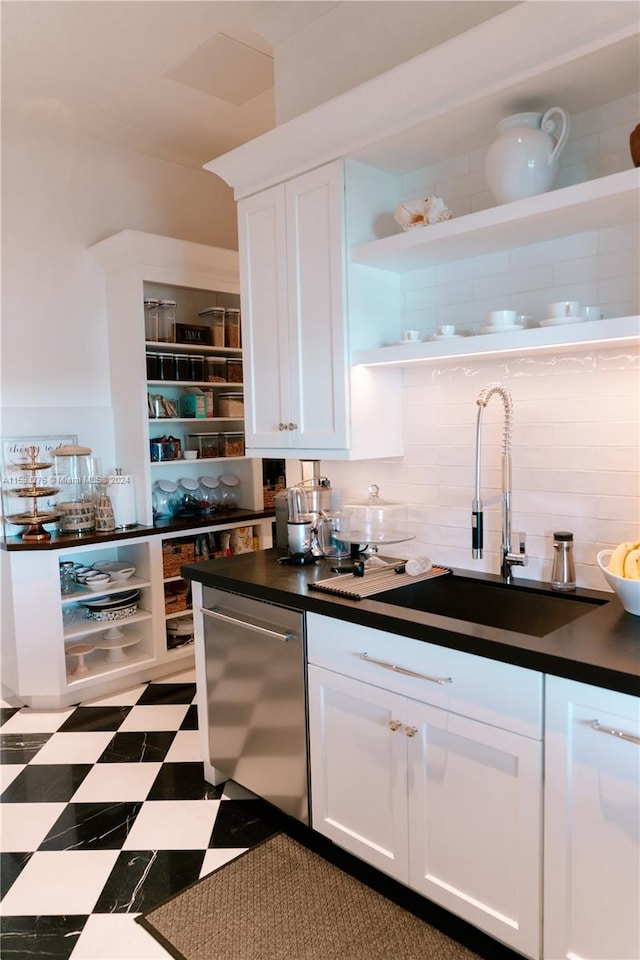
65	541
602	648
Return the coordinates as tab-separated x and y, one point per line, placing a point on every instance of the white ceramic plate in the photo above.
560	321
504	329
447	336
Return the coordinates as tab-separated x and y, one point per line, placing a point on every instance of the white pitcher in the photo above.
523	161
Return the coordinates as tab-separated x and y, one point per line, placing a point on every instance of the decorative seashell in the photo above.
436	210
410	214
419	213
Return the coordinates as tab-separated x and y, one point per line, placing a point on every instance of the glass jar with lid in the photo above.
207	445
232	335
167	315
183	367
164	499
234	370
217	369
166	366
209	494
196	367
231	444
151	320
229	491
214	317
190	498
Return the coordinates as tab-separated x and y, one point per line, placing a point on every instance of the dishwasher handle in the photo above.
247	625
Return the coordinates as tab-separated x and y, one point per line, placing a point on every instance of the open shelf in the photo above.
586	206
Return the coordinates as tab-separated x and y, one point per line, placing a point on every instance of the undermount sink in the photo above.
506	606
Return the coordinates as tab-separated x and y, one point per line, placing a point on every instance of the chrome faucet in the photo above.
508	558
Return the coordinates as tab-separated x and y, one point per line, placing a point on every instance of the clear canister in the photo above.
166	366
67	576
214	318
234	370
196	367
151	320
152	366
207	445
209	494
217	369
229	491
232	334
76	476
183	367
167	315
232	444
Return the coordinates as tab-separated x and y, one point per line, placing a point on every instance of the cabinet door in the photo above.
475	802
592	823
318	354
358	769
265	318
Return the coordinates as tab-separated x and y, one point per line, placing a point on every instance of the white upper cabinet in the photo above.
300	397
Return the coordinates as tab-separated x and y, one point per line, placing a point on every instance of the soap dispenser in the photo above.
563	575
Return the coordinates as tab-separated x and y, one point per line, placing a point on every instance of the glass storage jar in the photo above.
167	315
207	444
151	320
234	371
164	499
189	497
152	366
76	473
229	491
209	494
230	405
215	320
166	366
196	367
232	335
183	367
232	444
217	369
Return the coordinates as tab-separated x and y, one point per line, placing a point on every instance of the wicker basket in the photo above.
174	554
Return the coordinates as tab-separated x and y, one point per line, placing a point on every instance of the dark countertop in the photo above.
601	648
174	525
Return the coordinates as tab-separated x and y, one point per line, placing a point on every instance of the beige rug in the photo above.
280	901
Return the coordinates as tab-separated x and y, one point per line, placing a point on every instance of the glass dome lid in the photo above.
375	520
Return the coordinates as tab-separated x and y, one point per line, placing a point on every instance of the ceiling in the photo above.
180	80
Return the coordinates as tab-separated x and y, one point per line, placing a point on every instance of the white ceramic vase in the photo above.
523	161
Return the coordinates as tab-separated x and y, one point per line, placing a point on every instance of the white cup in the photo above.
190	454
592	313
501	318
411	335
562	309
447	330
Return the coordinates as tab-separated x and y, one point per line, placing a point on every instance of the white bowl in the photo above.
117	569
97	583
628	591
122	574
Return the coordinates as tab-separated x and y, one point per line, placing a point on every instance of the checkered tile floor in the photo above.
105	813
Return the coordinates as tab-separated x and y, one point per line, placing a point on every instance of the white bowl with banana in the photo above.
621	569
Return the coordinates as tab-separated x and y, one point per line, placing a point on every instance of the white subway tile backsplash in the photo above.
551	251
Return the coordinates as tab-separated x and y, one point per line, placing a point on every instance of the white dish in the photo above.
505	328
401	343
447	336
560	321
97	583
117	569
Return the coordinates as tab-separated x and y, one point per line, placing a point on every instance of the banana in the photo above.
632	564
616	562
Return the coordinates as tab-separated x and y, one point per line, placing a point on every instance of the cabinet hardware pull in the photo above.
410	731
282	426
246	625
394	725
621	734
293	426
404	671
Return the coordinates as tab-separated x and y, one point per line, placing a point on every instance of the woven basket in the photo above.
174	554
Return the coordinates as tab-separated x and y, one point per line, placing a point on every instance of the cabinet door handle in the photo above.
621	734
410	731
247	625
394	725
404	671
293	426
282	426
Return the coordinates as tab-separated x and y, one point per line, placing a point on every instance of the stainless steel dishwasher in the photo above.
256	697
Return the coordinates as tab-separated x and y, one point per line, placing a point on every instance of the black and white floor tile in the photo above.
104	814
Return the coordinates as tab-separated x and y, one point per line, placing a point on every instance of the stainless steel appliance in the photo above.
256	697
316	492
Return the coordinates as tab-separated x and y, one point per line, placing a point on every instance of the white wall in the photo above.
576	443
62	192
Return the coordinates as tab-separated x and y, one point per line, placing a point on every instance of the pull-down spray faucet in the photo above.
508	558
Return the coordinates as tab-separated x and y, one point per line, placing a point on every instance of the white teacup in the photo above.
501	318
411	335
447	330
563	309
592	313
